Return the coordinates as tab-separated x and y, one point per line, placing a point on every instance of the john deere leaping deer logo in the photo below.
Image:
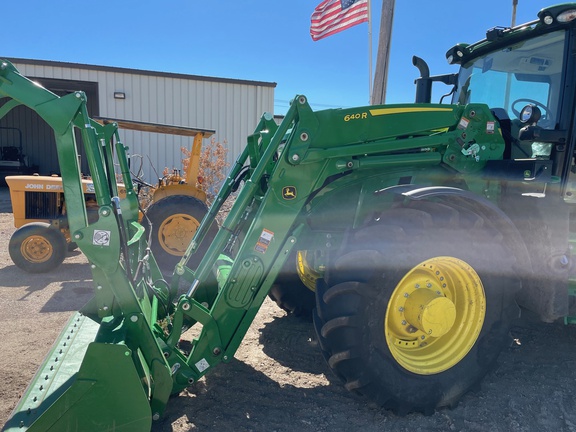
288	192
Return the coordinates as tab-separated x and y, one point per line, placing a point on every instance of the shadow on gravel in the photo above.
284	336
530	390
238	397
74	280
71	297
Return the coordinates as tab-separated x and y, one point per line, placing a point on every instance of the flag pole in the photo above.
383	53
369	51
514	6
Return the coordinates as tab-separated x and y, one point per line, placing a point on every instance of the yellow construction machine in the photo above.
172	208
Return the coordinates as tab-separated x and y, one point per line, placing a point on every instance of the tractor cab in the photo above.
511	77
525	76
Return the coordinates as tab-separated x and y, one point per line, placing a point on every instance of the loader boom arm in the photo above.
290	164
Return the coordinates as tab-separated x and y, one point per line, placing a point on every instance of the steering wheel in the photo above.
543	108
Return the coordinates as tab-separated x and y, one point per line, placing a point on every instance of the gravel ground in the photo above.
278	380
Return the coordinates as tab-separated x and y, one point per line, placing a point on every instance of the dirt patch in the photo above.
278	380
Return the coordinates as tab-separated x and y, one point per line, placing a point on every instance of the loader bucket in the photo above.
83	386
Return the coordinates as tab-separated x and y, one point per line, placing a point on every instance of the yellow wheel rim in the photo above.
36	249
307	274
175	233
435	315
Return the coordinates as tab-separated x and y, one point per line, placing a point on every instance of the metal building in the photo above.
230	107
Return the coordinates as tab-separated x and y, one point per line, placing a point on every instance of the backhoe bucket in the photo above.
83	386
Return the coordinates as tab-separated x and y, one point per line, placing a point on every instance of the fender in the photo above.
478	205
541	272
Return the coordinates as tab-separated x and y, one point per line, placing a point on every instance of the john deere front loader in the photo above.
419	227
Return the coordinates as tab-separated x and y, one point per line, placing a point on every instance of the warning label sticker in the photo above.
264	241
101	238
490	127
202	365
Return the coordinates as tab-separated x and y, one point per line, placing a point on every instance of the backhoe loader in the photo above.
174	211
423	229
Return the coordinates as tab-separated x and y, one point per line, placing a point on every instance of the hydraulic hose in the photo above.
123	237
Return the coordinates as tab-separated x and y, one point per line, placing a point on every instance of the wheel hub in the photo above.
36	249
435	315
430	312
176	232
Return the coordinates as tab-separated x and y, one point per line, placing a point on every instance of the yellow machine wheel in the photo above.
173	221
307	274
418	307
37	247
435	315
175	232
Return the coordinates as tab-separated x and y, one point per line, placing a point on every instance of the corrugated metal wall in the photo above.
22	127
230	107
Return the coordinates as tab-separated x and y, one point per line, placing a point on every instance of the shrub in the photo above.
213	168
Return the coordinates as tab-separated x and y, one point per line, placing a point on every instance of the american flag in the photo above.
333	16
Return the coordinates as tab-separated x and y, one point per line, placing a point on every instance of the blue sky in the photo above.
263	40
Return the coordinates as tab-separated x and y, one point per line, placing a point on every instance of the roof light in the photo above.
456	53
548	19
567	16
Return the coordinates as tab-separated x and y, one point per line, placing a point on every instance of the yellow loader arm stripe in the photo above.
386	111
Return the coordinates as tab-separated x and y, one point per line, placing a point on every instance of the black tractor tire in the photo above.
290	293
37	247
292	296
417	262
174	220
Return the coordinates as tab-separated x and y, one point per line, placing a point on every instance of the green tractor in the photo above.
422	231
